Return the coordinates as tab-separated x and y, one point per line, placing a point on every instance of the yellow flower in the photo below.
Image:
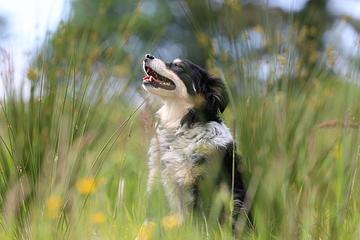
87	185
146	231
33	74
54	204
258	29
171	221
98	218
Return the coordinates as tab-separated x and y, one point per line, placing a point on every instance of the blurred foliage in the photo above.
231	34
73	155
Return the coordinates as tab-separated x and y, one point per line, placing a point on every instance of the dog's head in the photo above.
183	80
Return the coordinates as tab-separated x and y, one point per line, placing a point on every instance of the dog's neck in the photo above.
173	111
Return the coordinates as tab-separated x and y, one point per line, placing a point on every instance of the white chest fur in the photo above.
175	153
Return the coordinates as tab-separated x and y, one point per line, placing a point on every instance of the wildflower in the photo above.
171	221
87	185
33	74
146	231
258	29
54	204
98	218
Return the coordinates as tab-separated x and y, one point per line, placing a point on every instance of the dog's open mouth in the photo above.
156	80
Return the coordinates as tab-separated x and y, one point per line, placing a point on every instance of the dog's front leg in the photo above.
179	198
153	165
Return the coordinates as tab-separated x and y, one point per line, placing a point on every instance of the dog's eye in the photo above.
178	65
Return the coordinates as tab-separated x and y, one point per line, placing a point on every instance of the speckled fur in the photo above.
174	156
192	146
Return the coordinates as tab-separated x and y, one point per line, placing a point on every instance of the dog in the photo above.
192	148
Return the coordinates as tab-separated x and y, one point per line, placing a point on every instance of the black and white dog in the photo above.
192	148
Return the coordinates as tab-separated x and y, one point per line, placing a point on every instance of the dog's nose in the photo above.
148	56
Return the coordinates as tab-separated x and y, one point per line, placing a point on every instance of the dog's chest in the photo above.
176	144
180	150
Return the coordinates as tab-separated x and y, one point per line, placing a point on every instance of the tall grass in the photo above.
75	167
302	152
73	155
62	133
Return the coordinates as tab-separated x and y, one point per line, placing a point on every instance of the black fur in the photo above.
232	175
209	91
214	98
211	99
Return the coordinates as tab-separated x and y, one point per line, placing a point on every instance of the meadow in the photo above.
74	153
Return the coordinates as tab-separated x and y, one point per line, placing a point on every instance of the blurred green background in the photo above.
74	133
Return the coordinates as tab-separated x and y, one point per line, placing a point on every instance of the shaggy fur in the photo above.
192	147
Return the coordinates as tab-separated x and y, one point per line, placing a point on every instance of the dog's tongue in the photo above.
147	78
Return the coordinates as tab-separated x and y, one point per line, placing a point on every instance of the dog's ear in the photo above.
216	97
210	97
